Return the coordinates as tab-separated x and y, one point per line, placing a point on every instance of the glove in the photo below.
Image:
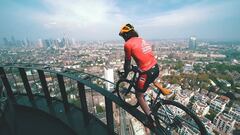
121	74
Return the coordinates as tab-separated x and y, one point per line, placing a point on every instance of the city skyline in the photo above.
204	78
11	42
87	20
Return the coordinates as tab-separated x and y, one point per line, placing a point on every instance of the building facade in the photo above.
200	108
108	75
224	123
185	130
208	125
192	43
235	113
218	104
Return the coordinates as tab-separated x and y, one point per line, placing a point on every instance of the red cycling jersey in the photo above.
141	52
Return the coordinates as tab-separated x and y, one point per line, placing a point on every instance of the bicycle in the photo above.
170	115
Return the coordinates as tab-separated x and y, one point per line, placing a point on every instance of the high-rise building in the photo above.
40	43
208	125
235	113
200	108
192	43
13	41
218	104
224	123
5	42
108	75
47	43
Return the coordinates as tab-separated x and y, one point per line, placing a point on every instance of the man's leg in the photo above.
149	121
142	85
142	103
146	109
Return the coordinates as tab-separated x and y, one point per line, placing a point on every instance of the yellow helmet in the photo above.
126	28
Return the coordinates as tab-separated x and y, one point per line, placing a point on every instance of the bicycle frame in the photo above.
166	115
133	80
153	102
166	110
158	100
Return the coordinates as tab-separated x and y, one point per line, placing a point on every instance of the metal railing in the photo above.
25	77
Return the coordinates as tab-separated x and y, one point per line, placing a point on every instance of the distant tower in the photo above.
40	43
108	75
46	43
192	43
13	41
5	42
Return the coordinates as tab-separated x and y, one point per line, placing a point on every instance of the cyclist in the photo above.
141	52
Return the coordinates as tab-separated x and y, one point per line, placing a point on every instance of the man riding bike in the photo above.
142	53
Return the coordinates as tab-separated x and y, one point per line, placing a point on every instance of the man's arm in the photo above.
127	62
127	67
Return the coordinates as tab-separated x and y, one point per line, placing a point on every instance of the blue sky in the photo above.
102	19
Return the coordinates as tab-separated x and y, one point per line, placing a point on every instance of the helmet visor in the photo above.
125	29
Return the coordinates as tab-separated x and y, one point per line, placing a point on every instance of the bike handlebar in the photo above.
120	73
134	69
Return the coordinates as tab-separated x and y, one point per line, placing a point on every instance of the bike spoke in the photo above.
188	123
163	117
132	92
174	119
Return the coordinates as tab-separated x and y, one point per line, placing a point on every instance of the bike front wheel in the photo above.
126	92
176	119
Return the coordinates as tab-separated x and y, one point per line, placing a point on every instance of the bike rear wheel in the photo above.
126	92
177	119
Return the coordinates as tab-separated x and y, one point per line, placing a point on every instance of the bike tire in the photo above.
198	122
130	96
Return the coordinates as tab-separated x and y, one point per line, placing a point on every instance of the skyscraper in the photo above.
40	43
5	42
13	41
108	75
192	45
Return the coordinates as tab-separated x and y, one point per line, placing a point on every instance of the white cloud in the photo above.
184	21
181	17
72	14
91	17
101	19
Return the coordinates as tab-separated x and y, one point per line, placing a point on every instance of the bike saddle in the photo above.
164	91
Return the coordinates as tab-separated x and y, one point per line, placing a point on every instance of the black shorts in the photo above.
146	78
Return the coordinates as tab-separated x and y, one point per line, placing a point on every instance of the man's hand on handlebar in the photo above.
121	74
134	68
